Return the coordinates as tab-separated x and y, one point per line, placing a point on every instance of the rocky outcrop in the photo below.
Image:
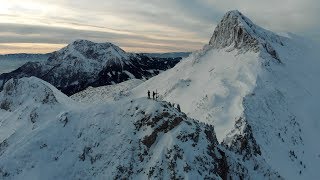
241	140
237	31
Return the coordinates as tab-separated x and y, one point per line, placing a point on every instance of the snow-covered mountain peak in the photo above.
238	32
87	53
84	46
84	63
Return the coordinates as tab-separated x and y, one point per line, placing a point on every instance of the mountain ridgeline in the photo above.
84	63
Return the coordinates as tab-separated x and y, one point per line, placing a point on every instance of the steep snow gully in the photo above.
249	102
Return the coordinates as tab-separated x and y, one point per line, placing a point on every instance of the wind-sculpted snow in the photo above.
84	63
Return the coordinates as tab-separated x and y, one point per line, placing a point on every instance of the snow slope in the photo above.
209	85
46	135
257	88
107	93
282	110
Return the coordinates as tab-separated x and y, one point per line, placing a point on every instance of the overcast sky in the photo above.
141	25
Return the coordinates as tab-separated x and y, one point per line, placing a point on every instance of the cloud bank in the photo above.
141	25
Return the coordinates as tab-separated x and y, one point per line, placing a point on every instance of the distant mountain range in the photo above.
10	62
169	55
24	57
40	57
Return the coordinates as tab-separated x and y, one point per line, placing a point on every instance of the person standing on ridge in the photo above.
153	94
178	107
148	94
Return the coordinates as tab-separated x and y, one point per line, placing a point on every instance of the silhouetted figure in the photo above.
153	94
178	107
156	95
148	94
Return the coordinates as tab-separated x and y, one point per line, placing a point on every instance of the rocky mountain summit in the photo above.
237	31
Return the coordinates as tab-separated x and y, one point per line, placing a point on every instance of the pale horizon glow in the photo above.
41	26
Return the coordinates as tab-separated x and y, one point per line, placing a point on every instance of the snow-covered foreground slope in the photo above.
258	89
46	135
102	94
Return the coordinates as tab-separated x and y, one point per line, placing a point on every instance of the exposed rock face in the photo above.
241	140
237	31
84	63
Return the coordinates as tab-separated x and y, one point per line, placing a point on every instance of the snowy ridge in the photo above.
209	86
107	93
139	138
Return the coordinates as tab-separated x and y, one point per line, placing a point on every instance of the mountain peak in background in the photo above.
84	63
85	51
237	31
